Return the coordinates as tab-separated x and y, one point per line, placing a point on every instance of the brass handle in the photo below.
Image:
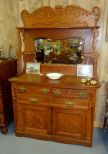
21	89
70	103
84	94
45	91
56	92
33	100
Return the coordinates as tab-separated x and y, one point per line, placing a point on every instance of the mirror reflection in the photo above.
66	51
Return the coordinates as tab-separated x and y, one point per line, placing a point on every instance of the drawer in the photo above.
81	94
69	102
56	92
36	90
33	100
26	97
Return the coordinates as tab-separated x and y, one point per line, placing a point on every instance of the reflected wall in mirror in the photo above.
65	51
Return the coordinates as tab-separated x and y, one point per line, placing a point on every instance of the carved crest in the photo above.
65	17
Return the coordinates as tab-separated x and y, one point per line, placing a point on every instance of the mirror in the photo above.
66	51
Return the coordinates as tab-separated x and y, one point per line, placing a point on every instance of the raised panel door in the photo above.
34	120
69	124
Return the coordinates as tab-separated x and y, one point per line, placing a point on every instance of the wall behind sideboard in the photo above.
10	19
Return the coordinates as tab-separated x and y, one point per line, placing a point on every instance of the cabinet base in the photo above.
55	139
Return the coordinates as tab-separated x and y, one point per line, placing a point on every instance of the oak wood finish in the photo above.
59	110
8	68
58	23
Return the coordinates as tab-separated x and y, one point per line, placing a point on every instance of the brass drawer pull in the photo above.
70	103
56	92
84	94
33	100
45	91
21	89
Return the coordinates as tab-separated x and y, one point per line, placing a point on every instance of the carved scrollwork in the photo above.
24	13
96	12
75	11
68	16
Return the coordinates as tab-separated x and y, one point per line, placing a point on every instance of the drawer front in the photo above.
81	94
69	102
32	90
33	100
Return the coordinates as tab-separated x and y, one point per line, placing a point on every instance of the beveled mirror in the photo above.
59	51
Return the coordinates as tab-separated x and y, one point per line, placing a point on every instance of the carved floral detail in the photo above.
65	119
69	16
97	12
36	119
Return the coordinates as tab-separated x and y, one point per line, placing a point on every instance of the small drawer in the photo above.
36	90
69	102
81	94
57	92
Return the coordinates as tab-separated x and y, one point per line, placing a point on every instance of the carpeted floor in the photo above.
10	144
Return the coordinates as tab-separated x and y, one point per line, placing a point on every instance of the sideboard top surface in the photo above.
66	80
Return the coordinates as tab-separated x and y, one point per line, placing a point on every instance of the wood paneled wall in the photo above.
10	18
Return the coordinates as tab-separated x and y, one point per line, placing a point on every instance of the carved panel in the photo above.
69	16
34	119
67	122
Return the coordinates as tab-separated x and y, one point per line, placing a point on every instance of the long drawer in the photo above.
70	102
34	100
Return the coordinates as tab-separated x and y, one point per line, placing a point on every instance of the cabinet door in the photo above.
69	123
34	119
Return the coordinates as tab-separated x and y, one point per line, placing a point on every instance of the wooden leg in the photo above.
4	130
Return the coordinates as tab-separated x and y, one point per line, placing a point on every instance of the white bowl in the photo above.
54	76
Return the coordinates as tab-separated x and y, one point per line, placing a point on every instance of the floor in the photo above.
10	144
